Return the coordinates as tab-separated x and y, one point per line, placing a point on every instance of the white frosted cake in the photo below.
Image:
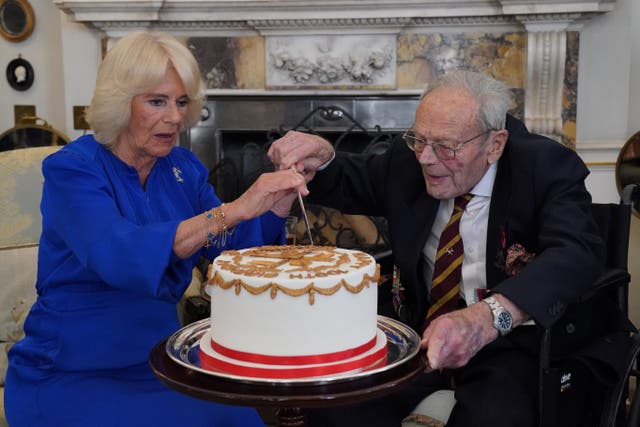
292	312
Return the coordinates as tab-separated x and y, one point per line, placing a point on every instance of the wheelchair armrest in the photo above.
614	278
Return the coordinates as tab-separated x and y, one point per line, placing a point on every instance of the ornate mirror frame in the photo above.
628	165
16	19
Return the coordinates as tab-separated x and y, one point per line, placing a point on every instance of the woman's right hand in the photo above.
271	191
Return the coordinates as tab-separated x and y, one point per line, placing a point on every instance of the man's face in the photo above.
450	117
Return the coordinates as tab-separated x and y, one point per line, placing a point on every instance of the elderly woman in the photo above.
126	215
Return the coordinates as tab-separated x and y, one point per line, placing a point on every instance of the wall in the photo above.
65	57
43	50
608	110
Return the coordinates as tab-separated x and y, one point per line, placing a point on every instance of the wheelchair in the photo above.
581	385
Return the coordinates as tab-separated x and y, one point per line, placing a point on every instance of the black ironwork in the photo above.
244	158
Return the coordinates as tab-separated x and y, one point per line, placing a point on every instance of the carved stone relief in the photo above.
334	61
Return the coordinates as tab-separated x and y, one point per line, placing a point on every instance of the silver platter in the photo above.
402	344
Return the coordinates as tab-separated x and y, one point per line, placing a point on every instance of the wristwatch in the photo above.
502	319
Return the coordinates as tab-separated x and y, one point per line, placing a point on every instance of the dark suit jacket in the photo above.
539	200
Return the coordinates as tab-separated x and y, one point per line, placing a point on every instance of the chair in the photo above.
619	342
20	226
570	385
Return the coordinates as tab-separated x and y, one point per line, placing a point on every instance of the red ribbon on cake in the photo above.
371	361
313	359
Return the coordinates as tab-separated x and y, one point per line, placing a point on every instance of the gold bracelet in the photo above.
218	216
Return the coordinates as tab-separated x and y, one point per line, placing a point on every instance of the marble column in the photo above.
546	58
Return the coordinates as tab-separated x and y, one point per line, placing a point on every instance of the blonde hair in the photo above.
134	65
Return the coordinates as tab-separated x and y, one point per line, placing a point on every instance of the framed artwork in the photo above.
20	74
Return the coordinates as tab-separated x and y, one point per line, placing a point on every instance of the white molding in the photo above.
599	154
600	144
313	92
516	7
281	16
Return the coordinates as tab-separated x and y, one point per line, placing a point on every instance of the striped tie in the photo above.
447	271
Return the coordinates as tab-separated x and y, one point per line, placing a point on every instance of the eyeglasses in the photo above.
442	151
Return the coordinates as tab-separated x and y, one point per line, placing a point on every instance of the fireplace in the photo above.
235	133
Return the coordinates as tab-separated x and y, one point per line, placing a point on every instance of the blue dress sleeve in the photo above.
90	215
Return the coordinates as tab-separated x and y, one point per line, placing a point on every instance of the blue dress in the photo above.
108	283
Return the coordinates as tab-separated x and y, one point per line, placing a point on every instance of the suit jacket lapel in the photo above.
423	211
497	226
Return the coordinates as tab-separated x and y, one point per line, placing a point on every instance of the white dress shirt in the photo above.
473	231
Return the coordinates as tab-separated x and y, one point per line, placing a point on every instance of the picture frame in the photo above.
20	74
17	19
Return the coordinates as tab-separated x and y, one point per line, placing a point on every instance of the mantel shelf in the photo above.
258	16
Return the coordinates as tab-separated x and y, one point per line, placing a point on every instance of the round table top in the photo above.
296	395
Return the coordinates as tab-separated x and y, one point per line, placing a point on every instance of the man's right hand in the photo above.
307	152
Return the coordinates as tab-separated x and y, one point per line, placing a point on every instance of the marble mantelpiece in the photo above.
259	45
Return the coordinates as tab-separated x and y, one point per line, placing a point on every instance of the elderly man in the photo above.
491	232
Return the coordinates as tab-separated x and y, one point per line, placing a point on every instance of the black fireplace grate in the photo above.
243	158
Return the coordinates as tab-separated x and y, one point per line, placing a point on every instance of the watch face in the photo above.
503	321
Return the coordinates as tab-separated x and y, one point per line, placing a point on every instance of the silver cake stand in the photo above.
176	362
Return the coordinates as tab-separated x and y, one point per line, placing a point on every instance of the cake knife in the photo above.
304	211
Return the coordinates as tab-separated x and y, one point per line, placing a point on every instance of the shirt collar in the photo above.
485	186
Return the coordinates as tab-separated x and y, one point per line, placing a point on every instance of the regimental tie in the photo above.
447	270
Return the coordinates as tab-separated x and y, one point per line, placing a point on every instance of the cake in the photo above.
293	312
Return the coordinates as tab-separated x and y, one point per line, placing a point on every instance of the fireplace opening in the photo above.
243	158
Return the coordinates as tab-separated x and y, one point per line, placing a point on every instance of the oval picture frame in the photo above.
16	19
20	74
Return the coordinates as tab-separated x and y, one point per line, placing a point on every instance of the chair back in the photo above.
613	222
20	192
20	228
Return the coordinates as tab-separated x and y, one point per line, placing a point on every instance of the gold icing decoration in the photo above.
299	257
